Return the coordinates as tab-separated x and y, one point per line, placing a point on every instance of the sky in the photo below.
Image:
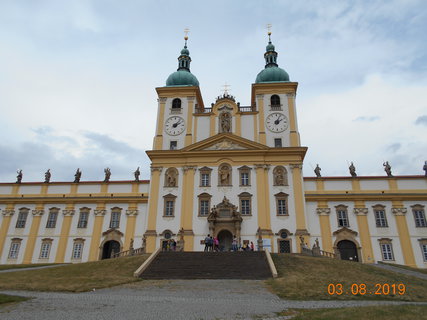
78	79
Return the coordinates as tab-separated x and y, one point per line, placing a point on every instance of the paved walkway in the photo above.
401	270
32	268
178	299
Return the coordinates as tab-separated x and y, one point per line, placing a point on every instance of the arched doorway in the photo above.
348	250
225	240
110	247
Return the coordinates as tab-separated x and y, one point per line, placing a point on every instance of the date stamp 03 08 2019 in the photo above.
363	289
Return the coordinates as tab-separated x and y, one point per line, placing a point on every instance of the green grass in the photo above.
356	313
306	278
406	267
6	299
20	266
75	277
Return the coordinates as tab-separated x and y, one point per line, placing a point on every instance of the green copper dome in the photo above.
182	78
272	72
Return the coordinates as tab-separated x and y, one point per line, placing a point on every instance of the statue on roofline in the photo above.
387	169
352	169
77	176
107	172
47	176
425	168
317	171
137	173
19	176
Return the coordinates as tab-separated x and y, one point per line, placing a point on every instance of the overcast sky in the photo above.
77	79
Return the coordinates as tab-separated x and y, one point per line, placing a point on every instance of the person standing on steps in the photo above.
252	246
216	244
207	242
234	244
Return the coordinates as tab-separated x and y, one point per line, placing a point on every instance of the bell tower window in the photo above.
176	103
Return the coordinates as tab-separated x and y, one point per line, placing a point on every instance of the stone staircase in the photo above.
209	265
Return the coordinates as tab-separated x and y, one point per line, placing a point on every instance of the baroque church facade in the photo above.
221	169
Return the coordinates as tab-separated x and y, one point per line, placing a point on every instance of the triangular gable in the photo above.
225	141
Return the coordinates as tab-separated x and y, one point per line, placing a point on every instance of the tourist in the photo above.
216	244
252	246
173	245
245	246
211	243
164	245
207	242
234	244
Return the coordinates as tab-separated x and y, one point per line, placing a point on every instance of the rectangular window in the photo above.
380	218
77	250
245	206
169	208
83	219
424	248
44	250
173	145
244	178
51	220
277	142
22	219
115	220
420	218
205	180
281	207
342	218
204	207
14	250
387	251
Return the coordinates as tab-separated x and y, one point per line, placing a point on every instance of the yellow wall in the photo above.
32	237
402	228
97	231
187	207
152	209
7	217
65	232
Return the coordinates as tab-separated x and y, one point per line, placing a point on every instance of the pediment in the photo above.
113	232
225	141
345	231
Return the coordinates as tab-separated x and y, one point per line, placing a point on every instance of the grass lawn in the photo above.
407	268
305	278
20	266
75	277
377	313
6	299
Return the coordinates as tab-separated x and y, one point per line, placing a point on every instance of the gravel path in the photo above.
401	270
178	299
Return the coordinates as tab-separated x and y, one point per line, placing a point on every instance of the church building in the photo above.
226	170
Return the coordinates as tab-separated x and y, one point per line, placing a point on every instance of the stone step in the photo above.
208	265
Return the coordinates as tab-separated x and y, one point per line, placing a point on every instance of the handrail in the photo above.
146	263
271	263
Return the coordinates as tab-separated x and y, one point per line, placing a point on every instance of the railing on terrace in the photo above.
130	252
241	109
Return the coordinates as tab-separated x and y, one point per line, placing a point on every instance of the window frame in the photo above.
203	198
380	222
115	212
244	176
281	196
173	145
51	223
342	215
15	246
83	221
205	171
278	145
245	196
45	253
419	216
277	104
21	221
78	247
423	247
176	104
169	198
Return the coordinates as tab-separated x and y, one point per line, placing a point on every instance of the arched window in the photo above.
342	216
176	103
275	101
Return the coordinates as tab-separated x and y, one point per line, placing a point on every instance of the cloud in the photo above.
50	150
367	119
422	120
394	147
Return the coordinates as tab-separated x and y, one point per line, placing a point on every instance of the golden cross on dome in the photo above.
226	87
186	31
269	30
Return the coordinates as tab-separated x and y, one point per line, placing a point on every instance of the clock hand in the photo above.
176	124
278	121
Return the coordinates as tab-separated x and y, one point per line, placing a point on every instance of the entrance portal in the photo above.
225	240
110	247
348	250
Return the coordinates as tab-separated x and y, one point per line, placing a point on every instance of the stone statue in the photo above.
107	172
279	177
137	173
317	243
224	175
225	122
131	244
47	176
171	178
301	239
77	176
425	168
19	176
317	171
352	169
387	169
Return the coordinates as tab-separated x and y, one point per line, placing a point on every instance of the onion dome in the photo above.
183	76
271	72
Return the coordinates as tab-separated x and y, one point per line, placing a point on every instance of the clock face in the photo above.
276	122
174	125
